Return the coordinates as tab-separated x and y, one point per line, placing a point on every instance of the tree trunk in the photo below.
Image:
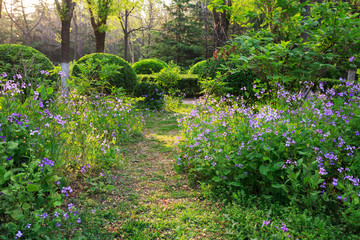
305	14
204	11
65	11
126	35
100	40
100	35
132	54
65	55
221	25
351	74
0	7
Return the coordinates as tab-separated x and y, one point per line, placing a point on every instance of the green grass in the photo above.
151	201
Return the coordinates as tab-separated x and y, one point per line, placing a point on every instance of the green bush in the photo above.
238	83
188	84
154	98
147	77
198	67
27	62
149	66
168	77
100	72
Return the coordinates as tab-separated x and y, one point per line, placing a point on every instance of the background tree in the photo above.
181	38
100	10
1	2
221	12
21	20
65	10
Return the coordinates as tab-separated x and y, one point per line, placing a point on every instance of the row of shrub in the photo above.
105	73
188	84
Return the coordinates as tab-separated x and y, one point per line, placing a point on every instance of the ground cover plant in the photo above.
47	142
302	152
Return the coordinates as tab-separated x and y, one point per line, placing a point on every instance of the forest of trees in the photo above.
185	31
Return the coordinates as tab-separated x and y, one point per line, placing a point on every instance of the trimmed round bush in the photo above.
198	67
102	71
149	66
24	60
154	98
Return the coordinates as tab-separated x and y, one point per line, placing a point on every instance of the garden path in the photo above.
151	201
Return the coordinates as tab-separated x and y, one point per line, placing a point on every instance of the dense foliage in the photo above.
188	84
149	66
46	142
152	94
303	152
100	72
25	63
198	67
288	60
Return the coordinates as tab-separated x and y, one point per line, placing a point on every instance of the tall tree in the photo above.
100	10
24	24
65	11
221	20
181	39
124	18
1	2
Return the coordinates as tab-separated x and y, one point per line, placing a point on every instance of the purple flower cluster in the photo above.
46	162
319	137
66	190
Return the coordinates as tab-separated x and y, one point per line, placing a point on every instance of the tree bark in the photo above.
65	11
351	74
305	14
221	25
0	7
99	24
126	34
100	40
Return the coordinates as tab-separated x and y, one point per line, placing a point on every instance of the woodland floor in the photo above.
150	200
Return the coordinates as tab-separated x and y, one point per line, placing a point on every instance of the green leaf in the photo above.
17	214
32	187
236	184
57	203
264	169
25	206
43	93
8	175
49	90
12	145
110	187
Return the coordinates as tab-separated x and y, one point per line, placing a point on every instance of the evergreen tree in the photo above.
182	38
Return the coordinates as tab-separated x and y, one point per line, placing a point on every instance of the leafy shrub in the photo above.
307	155
147	77
189	85
215	77
26	63
149	66
290	62
198	67
45	143
100	72
154	98
169	76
